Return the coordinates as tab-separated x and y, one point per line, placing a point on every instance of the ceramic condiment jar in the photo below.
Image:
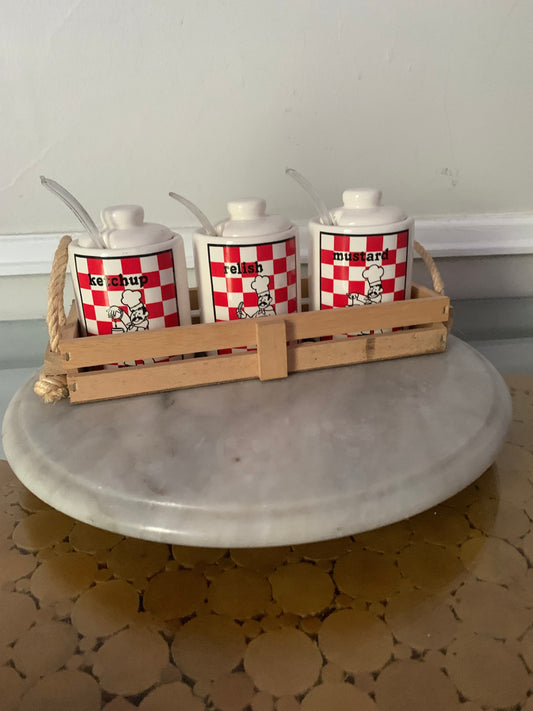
138	282
365	257
251	267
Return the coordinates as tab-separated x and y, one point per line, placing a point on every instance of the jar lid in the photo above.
248	218
125	227
362	207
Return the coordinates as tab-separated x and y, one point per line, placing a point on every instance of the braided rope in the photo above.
51	388
438	284
54	387
55	315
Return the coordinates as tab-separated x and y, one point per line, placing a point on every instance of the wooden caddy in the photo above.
424	320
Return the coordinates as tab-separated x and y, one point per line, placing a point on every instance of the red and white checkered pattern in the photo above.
338	278
102	281
275	260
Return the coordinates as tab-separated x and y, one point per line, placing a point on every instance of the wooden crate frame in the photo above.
284	345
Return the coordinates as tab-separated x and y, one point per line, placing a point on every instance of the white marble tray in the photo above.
315	456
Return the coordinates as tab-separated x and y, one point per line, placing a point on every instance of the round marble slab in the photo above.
315	456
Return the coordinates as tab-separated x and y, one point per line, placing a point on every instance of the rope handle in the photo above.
55	314
54	387
438	284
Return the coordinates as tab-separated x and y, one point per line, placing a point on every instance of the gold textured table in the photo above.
432	613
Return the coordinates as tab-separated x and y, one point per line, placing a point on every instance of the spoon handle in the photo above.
80	212
205	222
323	212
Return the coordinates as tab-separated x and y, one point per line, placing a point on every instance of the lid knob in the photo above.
361	198
123	216
246	209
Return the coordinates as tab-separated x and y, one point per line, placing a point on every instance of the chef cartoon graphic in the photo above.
137	317
373	294
374	290
260	285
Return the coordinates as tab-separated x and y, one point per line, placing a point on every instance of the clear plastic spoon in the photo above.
205	222
321	207
80	212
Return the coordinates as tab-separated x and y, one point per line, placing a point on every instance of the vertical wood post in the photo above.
271	349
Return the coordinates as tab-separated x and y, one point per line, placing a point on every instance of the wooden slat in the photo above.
141	380
419	291
54	364
71	329
412	312
84	352
271	349
363	349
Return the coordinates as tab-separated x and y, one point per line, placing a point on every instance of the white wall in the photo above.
124	100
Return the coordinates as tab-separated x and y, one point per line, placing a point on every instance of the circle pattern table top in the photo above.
437	607
315	456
